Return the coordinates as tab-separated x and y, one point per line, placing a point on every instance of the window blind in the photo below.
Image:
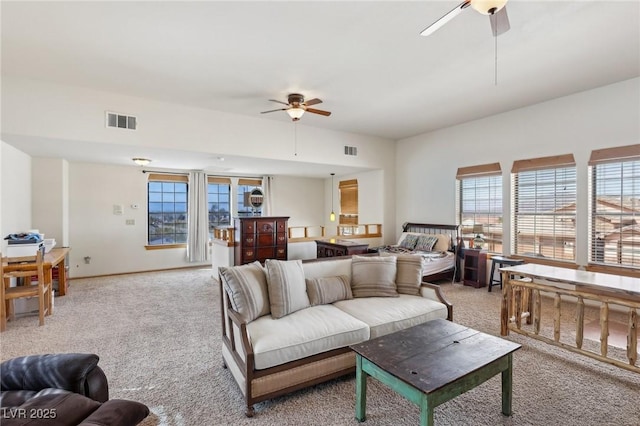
479	204
348	201
544	207
219	180
166	177
614	231
250	182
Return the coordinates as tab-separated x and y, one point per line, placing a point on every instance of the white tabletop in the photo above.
598	280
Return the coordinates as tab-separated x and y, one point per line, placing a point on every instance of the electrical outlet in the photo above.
130	221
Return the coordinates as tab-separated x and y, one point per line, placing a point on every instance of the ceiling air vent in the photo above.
121	121
350	150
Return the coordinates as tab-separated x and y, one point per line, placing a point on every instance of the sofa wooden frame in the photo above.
261	385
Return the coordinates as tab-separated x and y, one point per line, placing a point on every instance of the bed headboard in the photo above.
453	231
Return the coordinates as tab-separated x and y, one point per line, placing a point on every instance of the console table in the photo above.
333	247
521	290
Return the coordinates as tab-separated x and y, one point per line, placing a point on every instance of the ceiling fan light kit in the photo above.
488	7
296	106
494	8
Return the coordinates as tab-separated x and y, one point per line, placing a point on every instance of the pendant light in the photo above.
332	216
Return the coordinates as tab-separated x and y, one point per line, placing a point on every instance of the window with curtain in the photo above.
348	192
479	204
614	231
544	207
245	186
219	201
167	209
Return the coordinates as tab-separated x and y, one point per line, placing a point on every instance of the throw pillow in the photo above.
287	287
409	241
443	244
373	276
426	242
246	286
409	275
325	290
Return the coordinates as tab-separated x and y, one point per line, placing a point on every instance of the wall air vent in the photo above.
121	121
350	150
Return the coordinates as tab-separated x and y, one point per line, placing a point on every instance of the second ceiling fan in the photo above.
297	106
496	10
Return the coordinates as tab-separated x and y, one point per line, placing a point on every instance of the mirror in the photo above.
256	198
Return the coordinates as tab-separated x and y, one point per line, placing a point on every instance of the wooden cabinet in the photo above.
475	268
260	238
331	248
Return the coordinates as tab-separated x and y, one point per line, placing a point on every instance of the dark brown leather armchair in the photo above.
61	389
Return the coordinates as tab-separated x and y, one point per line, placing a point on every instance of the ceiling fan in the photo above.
496	10
296	106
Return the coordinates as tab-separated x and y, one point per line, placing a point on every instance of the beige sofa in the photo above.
270	353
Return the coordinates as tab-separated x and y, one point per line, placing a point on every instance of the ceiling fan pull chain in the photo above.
295	138
496	60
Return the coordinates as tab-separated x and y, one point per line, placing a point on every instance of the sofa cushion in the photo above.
373	276
386	315
327	267
246	286
287	287
62	408
303	333
409	273
323	290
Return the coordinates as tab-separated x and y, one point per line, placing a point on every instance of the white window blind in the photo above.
544	207
479	204
614	231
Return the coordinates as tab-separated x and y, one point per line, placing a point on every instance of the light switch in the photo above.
118	209
130	221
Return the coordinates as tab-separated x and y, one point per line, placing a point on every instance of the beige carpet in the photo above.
158	338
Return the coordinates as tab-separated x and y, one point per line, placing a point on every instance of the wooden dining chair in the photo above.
24	267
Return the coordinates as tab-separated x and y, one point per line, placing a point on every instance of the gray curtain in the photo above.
198	241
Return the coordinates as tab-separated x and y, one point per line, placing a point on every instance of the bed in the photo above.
437	244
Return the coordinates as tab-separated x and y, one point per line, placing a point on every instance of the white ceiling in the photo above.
365	60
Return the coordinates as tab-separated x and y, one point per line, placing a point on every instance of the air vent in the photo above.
121	121
350	150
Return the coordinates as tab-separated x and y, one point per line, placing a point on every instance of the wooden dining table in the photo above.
55	257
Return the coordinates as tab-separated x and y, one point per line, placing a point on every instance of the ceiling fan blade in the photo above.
274	110
446	18
499	22
313	102
319	111
280	102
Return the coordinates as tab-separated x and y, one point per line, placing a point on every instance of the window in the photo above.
544	207
348	191
614	231
245	186
479	204
219	202
167	209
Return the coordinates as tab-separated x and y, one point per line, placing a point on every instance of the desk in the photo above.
333	247
604	289
56	257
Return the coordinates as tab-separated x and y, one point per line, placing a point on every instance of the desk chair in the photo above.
24	267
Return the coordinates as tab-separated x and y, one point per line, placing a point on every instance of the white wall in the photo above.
426	164
50	198
40	109
15	182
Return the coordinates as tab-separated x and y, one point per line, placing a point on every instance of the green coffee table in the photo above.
432	363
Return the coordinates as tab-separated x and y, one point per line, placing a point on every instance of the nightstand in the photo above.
475	268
